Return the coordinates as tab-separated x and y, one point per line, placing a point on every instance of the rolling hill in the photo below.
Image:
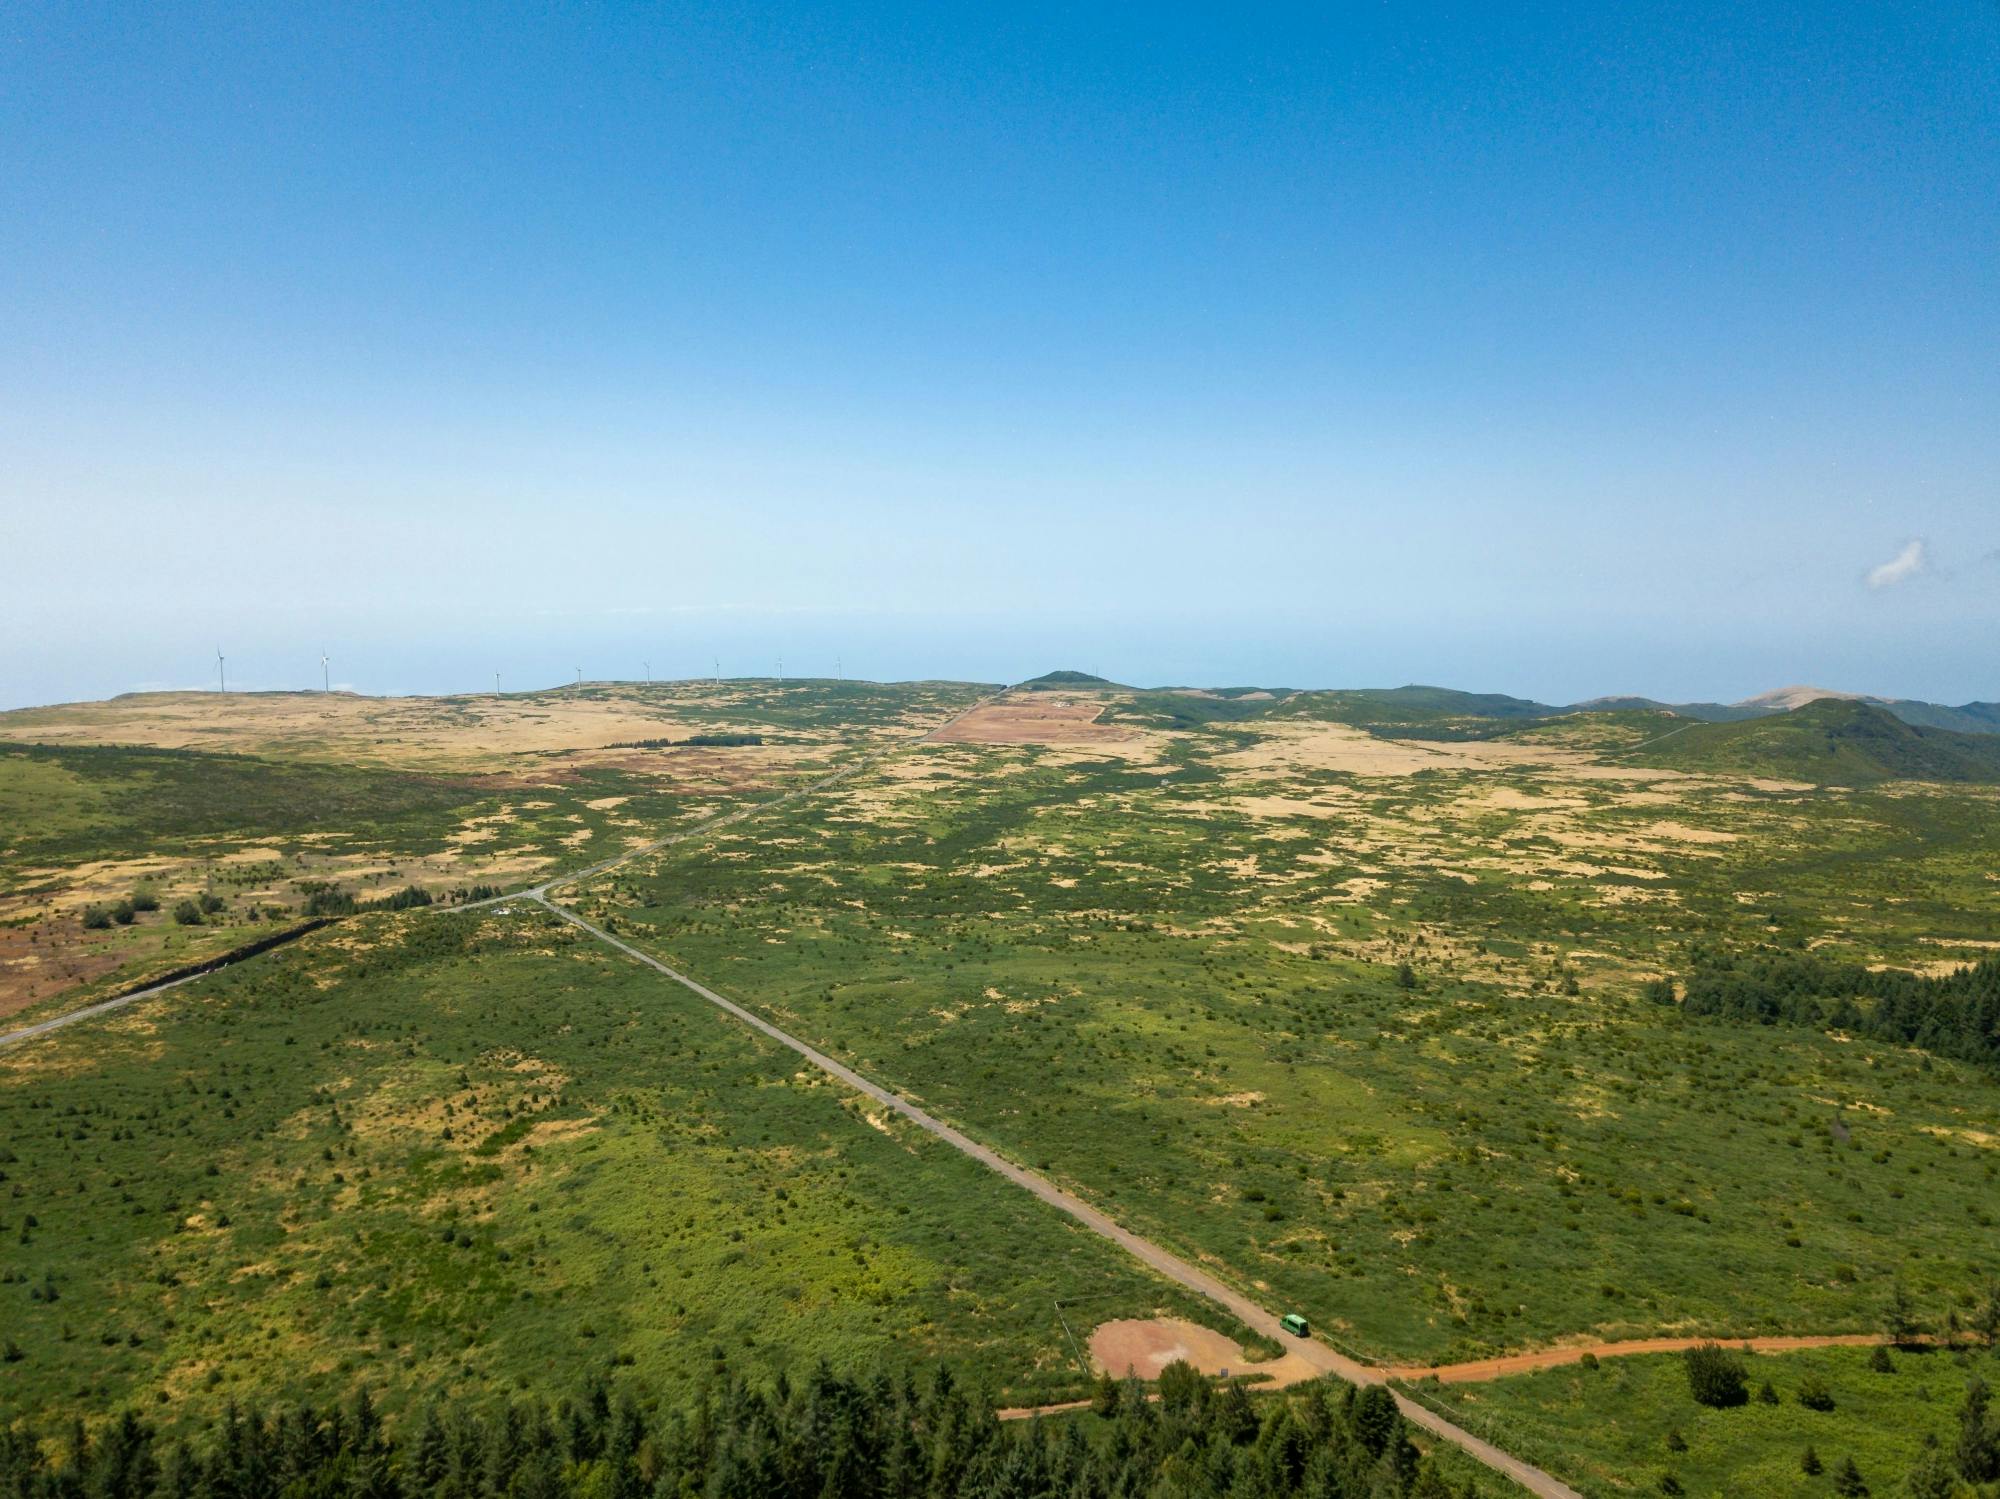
1830	740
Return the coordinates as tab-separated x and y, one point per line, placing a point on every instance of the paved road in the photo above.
1314	1352
43	1027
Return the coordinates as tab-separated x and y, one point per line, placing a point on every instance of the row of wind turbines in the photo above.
326	673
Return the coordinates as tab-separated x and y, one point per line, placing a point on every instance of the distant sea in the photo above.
1552	661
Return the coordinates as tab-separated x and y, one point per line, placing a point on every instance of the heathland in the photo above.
1460	1029
160	829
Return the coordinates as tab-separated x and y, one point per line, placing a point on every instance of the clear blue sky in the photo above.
1559	349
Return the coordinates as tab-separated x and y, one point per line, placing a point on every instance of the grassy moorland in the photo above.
1362	1022
476	1154
1629	1424
114	814
1372	1025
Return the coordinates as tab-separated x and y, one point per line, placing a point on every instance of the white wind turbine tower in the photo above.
649	672
221	675
325	680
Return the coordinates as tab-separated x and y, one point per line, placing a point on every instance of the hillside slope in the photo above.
1831	740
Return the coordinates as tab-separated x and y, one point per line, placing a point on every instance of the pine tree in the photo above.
1931	1478
1104	1398
1978	1452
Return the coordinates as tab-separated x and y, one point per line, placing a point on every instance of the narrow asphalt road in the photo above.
1314	1352
102	1007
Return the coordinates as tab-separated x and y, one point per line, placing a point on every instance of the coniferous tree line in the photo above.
1952	1015
824	1437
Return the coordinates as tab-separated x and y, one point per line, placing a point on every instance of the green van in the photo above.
1294	1324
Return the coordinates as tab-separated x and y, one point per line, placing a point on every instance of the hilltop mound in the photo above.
1783	698
1831	740
1966	718
1052	681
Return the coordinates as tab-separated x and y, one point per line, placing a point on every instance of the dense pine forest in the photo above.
823	1437
1952	1015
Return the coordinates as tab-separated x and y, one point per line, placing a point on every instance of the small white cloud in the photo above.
1902	567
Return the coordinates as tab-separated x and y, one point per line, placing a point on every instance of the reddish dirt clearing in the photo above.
1144	1347
1032	721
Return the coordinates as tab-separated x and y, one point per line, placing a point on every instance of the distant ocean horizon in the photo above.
1526	658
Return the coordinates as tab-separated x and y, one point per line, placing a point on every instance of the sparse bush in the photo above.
1715	1376
187	913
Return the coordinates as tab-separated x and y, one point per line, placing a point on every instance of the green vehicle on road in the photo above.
1294	1324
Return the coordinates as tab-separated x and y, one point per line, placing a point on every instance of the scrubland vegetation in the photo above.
475	1154
234	815
1458	1040
1325	1029
1909	1422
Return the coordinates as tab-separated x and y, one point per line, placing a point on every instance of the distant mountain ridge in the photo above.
1447	713
1966	718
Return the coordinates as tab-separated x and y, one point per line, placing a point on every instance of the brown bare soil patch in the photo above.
40	963
1035	720
1145	1346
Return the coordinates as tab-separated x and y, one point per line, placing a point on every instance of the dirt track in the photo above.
1480	1370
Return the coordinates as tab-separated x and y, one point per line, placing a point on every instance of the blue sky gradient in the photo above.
1557	349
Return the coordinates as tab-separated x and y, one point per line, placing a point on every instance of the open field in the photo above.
1170	973
477	1153
1613	1430
249	802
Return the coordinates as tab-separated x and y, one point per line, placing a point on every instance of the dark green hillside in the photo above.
1417	712
1054	681
1967	718
1707	712
1830	742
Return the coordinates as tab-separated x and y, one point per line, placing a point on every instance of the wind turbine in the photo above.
325	679
221	676
579	678
496	684
781	668
649	672
718	671
836	670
